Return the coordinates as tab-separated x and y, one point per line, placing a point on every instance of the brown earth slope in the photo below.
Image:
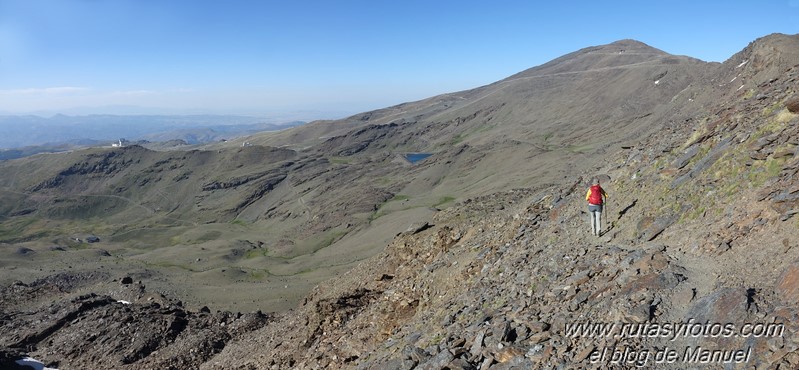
257	226
700	229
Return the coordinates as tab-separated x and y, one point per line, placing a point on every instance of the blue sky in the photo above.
327	57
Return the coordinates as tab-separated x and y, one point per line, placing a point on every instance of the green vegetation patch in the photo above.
254	253
170	264
693	213
381	211
762	171
330	239
695	136
399	197
785	116
581	148
258	275
238	222
444	200
87	206
769	128
15	228
459	138
19	229
767	111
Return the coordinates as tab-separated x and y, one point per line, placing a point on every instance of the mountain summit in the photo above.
478	256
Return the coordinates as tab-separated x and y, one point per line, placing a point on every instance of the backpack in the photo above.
596	195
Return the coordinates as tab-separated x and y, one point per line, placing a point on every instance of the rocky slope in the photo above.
232	224
700	229
496	281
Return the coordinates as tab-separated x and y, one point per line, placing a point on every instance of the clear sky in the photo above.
262	57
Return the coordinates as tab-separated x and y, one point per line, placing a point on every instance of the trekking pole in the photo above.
606	212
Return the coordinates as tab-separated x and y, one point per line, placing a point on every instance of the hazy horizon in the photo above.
118	110
21	131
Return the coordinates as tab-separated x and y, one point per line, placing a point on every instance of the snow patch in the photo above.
742	64
733	79
123	302
35	364
742	86
657	82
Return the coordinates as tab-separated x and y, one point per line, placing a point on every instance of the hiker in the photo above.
596	198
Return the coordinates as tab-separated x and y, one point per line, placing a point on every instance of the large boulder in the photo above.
793	104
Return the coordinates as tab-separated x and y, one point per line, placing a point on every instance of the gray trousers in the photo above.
595	213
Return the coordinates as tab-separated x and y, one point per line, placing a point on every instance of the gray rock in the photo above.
415	353
395	364
686	157
516	363
704	163
438	361
460	364
22	251
413	338
477	345
657	227
787	215
418	227
785	197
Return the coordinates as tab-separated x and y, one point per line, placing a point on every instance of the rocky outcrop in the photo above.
101	164
87	330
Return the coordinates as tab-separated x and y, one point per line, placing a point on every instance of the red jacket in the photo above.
595	195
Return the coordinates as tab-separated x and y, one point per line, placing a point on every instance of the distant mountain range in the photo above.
26	131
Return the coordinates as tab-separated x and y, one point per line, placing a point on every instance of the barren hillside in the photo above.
478	257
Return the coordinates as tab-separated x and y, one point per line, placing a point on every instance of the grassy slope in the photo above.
334	207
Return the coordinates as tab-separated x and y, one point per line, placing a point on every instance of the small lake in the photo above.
416	157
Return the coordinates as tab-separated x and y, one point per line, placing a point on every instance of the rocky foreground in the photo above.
492	284
464	295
